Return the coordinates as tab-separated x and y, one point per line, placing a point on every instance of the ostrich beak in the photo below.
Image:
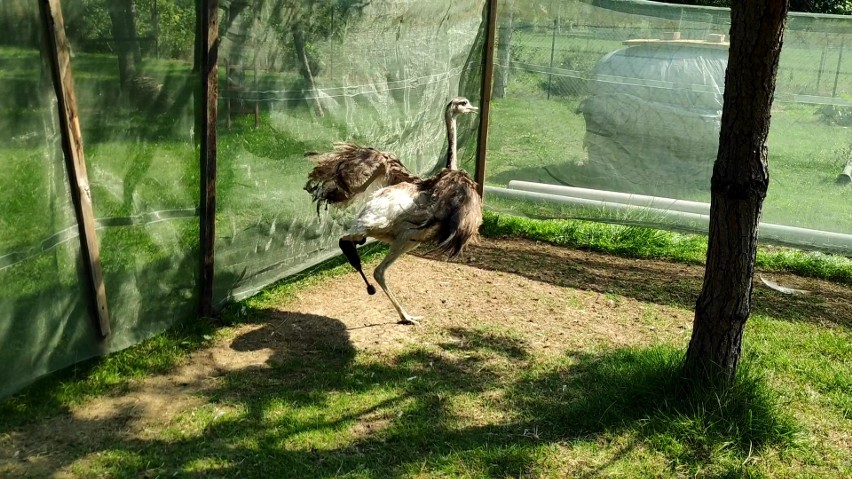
472	109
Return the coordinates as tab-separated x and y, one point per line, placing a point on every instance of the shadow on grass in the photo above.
656	282
320	409
52	352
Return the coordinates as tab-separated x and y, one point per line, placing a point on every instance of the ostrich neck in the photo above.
452	162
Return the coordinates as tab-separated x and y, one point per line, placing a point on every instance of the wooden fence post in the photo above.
485	107
552	53
72	147
209	98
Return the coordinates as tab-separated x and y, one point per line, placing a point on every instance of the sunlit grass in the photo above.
491	408
640	242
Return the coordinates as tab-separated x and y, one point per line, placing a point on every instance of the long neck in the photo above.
452	158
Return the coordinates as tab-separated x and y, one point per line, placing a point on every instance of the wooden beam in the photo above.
485	106
72	146
209	98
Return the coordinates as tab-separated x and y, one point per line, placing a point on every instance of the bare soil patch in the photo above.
548	299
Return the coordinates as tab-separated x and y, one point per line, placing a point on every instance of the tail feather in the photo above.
458	213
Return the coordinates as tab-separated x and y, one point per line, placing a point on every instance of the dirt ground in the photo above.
553	298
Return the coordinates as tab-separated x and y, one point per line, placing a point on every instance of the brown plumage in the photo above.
456	210
444	209
349	170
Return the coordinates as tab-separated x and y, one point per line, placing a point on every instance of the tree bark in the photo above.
739	183
305	67
122	14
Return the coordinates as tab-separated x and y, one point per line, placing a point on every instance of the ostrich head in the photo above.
460	105
457	106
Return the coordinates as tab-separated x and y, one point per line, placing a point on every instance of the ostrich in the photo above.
408	210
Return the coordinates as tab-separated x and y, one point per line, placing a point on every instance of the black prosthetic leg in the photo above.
351	253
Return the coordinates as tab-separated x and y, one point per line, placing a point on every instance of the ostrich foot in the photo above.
408	319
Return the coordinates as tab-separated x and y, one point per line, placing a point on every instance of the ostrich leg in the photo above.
399	247
351	253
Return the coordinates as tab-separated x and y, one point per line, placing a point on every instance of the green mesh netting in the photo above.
136	90
136	113
44	320
596	97
300	78
294	76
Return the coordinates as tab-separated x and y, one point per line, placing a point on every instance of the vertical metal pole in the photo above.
839	62
256	95
209	97
821	66
331	43
485	107
75	162
552	51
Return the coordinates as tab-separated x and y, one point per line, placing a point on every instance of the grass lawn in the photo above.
563	364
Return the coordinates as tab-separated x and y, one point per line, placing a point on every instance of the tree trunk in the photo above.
739	183
504	51
122	14
305	67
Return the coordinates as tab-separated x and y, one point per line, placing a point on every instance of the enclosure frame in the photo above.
207	52
206	119
59	59
487	85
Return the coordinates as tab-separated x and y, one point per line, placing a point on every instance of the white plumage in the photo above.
387	207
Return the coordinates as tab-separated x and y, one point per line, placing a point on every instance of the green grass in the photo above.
85	380
312	429
647	243
489	406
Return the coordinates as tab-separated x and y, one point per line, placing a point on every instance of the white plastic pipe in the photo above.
651	216
625	198
698	223
845	176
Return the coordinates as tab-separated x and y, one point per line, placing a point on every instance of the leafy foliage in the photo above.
839	7
172	22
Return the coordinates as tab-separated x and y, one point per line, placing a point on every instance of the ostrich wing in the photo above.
342	174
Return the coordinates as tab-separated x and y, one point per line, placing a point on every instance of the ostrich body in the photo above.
408	210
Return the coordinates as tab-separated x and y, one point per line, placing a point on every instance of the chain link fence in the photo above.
560	50
626	96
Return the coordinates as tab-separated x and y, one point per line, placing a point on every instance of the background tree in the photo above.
738	188
170	23
122	14
303	22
